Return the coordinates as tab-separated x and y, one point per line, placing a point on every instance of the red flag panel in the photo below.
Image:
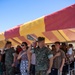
62	19
14	32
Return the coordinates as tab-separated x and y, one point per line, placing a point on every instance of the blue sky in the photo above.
15	12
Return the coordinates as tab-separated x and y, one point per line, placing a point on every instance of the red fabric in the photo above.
70	34
62	19
23	39
51	36
19	50
15	41
14	32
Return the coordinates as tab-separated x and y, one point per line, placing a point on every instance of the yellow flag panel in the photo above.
2	36
32	27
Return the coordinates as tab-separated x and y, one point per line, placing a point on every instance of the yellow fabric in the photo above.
58	35
61	31
37	25
73	30
2	36
2	44
17	39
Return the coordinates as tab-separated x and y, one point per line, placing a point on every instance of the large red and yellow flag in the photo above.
58	26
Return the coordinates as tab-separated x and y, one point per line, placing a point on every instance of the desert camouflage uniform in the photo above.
42	60
9	57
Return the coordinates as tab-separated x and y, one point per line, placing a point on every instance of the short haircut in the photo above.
41	39
8	42
53	46
57	42
25	43
70	45
63	44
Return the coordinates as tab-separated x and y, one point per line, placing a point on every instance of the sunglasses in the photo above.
22	45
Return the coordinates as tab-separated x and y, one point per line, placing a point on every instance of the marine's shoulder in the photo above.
48	49
62	51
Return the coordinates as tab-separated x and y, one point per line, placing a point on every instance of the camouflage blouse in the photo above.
42	58
9	56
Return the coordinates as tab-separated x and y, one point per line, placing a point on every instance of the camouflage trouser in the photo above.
41	73
9	70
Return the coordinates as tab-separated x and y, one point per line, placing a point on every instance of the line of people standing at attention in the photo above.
36	59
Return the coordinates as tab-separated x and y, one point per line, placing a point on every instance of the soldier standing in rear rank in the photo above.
9	58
